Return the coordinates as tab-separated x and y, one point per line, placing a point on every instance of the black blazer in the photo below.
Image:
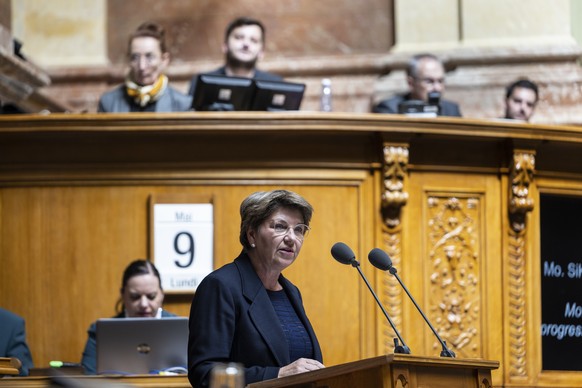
448	108
232	319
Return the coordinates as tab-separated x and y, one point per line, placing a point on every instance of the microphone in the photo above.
381	260
342	253
434	99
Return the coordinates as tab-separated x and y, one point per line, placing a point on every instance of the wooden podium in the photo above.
389	371
393	371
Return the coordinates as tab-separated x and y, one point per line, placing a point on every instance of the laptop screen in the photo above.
142	345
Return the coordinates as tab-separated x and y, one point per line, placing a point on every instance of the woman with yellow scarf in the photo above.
146	88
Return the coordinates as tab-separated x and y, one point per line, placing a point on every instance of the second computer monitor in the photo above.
277	96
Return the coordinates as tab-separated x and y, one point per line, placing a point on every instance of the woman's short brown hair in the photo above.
259	206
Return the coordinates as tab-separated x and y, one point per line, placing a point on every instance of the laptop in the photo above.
142	345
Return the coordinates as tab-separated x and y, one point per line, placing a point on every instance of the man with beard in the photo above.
244	43
521	98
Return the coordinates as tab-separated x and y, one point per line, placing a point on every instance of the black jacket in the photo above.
232	319
447	108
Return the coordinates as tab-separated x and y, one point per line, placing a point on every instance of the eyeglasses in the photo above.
149	58
281	228
431	81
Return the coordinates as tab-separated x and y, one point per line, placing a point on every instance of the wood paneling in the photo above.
74	195
452	261
69	247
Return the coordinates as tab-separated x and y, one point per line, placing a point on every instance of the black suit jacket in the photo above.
260	75
232	319
447	108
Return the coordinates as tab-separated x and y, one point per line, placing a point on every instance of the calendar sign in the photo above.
182	244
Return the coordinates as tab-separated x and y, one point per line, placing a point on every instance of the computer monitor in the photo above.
419	108
222	93
277	95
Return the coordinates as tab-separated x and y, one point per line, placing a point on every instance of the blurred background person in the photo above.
247	311
425	74
243	47
13	340
521	98
146	88
141	296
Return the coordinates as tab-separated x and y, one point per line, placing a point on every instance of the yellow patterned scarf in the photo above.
143	95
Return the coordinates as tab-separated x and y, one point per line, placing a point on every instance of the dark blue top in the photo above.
299	342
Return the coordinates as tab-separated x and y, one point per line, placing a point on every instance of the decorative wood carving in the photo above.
454	235
485	383
520	203
394	196
392	295
401	381
393	199
516	303
521	176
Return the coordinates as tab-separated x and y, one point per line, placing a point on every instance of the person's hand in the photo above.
299	366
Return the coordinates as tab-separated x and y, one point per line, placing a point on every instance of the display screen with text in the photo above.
561	288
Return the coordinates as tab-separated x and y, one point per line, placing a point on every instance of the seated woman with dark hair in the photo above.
141	297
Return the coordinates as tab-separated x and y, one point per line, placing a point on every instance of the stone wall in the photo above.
361	46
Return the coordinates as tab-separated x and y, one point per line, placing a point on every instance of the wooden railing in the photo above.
453	201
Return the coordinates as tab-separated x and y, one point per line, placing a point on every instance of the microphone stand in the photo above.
446	352
404	349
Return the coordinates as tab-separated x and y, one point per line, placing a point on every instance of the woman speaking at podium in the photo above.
247	312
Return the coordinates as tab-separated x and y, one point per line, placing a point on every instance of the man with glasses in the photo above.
425	76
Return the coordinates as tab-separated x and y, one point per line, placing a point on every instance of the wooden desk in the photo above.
129	381
392	370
